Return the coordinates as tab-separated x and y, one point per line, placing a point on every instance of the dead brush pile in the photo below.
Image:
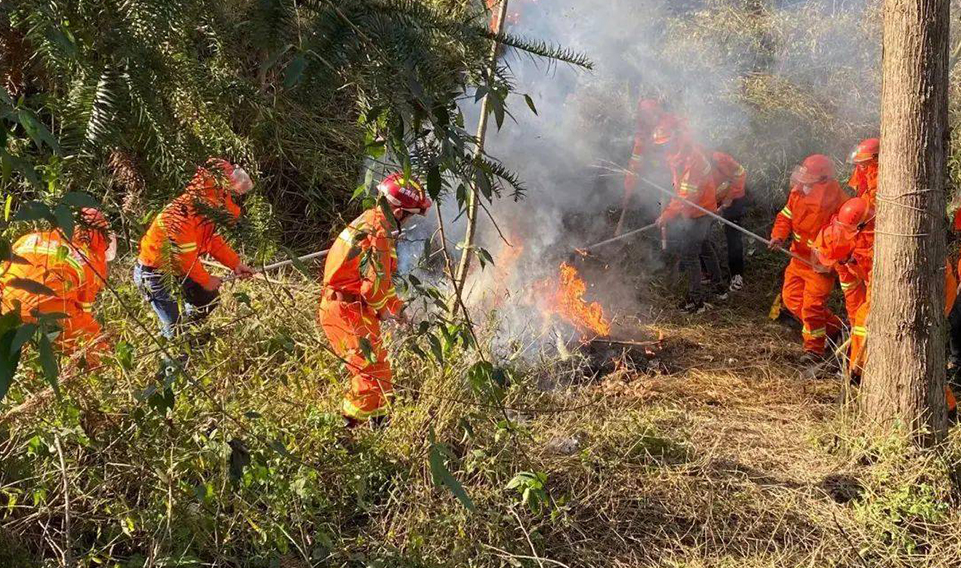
725	456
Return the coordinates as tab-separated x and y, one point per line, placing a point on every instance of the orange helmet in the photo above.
94	219
404	194
834	244
667	129
816	168
649	112
868	150
94	230
238	177
854	213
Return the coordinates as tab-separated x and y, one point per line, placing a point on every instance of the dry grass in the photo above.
722	455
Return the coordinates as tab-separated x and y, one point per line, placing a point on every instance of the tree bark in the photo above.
905	375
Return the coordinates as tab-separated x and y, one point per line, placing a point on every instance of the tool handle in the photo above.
624	236
725	221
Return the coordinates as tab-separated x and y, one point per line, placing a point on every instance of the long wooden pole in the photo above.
463	264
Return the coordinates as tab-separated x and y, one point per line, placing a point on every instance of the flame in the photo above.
568	302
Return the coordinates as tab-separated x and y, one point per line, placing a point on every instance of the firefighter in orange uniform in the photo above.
729	179
847	245
359	293
171	249
864	179
74	269
649	114
815	197
685	229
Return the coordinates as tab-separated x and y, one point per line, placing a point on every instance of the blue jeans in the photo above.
154	286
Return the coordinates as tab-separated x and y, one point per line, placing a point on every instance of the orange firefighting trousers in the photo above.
859	332
859	329
346	324
805	294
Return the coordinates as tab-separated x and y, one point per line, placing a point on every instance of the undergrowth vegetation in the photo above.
722	456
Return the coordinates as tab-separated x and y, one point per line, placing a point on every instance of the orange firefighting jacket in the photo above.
805	215
181	233
693	181
726	169
74	270
362	262
865	184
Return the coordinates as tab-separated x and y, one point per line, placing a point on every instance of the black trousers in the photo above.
735	240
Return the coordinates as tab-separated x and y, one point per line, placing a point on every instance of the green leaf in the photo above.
367	350
279	447
33	211
36	130
433	182
435	348
124	352
530	103
64	219
23	335
239	458
484	257
79	200
294	70
61	39
442	476
242	298
359	193
31	286
497	107
298	264
483	183
48	361
10	163
9	358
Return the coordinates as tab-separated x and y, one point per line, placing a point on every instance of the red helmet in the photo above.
854	213
834	244
866	151
814	169
405	194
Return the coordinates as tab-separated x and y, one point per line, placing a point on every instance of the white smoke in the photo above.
767	81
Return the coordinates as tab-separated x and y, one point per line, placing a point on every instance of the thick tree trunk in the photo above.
905	374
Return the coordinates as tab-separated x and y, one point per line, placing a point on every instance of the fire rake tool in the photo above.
585	250
751	234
